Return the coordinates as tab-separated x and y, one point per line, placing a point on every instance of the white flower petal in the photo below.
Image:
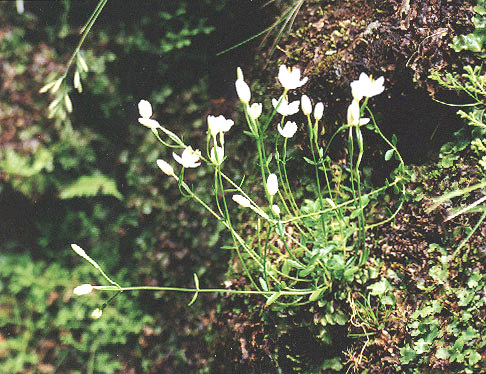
353	113
290	77
218	124
255	110
288	130
145	109
284	108
189	158
367	87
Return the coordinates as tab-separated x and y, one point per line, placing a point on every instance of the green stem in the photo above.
86	29
201	290
316	169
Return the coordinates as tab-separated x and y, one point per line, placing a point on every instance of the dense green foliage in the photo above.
60	177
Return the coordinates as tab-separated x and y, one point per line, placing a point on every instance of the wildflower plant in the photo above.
300	250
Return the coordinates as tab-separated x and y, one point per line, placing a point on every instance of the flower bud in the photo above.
243	91
217	155
276	210
354	115
241	200
272	184
166	168
318	111
145	109
84	289
239	73
306	105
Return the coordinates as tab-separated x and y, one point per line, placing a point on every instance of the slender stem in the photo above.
316	169
86	30
201	290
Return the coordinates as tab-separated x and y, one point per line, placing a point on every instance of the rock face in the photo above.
333	41
338	39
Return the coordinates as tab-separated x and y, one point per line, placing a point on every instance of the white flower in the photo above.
255	111
150	123
84	289
241	200
366	87
289	129
318	111
96	313
276	210
189	158
166	168
353	115
272	184
217	156
290	77
284	108
243	91
218	124
145	109
306	105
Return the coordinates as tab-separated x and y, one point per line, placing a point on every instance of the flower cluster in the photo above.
218	126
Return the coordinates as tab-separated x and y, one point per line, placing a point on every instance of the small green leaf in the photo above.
389	154
316	294
333	364
474	358
442	353
380	288
272	298
263	284
309	161
408	354
421	346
